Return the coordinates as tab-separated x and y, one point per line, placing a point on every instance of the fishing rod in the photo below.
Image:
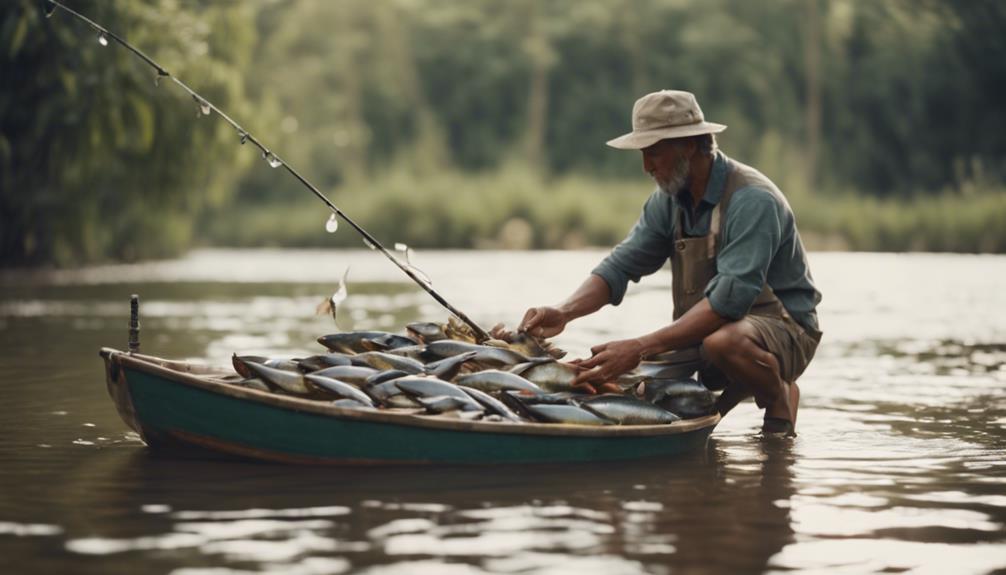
206	108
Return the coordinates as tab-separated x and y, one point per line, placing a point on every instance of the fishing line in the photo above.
275	161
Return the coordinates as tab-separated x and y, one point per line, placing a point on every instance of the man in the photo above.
742	288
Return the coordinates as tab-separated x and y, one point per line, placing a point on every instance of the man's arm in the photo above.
616	357
642	252
690	329
548	321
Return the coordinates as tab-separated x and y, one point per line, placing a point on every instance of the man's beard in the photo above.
678	179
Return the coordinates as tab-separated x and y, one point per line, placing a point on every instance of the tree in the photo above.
95	160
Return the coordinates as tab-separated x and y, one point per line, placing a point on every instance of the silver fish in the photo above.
240	363
382	360
525	344
686	398
391	341
447	368
486	355
549	374
663	370
491	403
627	410
566	414
415	352
338	388
353	374
654	390
556	398
317	362
430	387
363	341
352	404
426	331
492	380
390	395
284	364
383	376
288	381
677	364
519	401
446	403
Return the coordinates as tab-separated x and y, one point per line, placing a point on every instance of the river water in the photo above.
899	465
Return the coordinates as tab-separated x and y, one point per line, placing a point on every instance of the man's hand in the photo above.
543	322
609	360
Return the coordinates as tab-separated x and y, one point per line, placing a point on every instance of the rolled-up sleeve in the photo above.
752	236
643	251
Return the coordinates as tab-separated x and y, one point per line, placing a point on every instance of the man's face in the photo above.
668	164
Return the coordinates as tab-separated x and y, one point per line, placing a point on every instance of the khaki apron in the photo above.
693	266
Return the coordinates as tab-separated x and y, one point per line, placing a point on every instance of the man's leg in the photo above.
734	349
732	395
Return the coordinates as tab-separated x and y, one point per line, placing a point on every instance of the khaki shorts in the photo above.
790	343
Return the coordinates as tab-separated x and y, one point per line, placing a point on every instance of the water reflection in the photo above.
633	518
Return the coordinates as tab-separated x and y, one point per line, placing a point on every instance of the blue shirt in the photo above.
760	244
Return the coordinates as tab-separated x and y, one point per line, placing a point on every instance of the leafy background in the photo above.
482	123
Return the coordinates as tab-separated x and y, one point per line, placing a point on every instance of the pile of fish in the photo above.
438	369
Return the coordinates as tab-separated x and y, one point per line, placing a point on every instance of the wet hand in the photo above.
543	322
609	360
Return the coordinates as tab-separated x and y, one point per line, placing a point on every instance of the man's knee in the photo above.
724	342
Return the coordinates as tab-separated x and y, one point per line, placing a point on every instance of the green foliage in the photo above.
482	123
515	209
97	162
968	221
511	208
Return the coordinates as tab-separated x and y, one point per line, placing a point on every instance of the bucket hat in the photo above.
664	114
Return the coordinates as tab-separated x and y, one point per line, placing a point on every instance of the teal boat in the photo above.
178	404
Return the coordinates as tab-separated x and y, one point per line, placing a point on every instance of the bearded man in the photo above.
742	287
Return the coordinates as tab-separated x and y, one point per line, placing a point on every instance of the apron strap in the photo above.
714	231
678	218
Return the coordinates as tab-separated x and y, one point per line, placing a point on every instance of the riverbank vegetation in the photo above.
481	124
515	210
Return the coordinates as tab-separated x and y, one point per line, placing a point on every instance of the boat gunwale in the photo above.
194	375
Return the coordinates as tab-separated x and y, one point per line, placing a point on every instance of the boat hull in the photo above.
167	407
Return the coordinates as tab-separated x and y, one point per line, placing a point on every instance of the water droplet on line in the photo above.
369	244
102	39
50	9
244	136
406	251
271	158
157	78
204	106
332	225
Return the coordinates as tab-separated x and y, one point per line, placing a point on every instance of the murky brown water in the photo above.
899	466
